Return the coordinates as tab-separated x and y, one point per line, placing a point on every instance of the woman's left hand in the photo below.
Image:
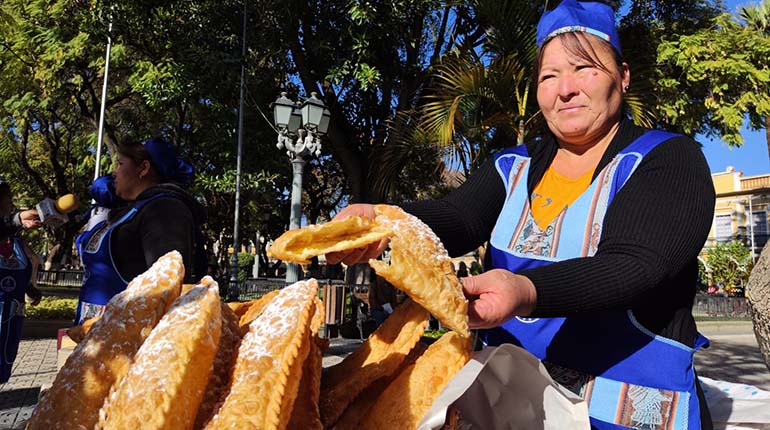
497	296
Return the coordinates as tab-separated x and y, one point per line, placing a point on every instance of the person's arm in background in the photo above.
167	225
22	219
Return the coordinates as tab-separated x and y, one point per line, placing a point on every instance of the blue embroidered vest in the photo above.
630	377
101	279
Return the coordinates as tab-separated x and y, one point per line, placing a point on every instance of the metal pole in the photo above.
233	290
100	133
297	164
255	269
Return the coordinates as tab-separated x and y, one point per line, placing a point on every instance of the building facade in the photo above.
741	212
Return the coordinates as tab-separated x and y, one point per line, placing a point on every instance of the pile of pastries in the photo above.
169	356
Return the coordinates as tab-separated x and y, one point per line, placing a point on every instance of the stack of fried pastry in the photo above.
171	356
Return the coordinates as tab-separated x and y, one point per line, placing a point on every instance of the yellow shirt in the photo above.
554	193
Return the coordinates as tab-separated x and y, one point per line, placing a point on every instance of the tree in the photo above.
715	78
370	62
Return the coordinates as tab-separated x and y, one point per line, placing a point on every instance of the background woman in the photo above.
159	216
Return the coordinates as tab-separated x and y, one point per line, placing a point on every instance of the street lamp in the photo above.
300	128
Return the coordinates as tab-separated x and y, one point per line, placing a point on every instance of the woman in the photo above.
159	216
594	230
18	265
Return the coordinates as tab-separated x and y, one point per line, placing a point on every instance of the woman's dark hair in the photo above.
138	153
135	151
578	44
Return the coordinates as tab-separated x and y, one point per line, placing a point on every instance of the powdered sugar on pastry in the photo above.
420	266
269	362
103	357
164	385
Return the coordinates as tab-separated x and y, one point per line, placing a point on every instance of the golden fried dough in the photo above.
240	308
420	267
79	332
255	309
227	352
269	364
164	386
103	357
379	356
351	418
305	414
410	395
300	245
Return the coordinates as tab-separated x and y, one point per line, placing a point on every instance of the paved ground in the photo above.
733	356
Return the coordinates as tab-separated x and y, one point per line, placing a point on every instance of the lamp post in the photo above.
299	132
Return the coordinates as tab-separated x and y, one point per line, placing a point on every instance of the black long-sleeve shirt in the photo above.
647	257
165	224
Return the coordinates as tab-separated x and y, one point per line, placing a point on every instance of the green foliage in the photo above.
435	334
53	308
728	264
715	78
475	268
245	263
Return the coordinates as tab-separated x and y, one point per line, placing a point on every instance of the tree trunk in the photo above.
758	295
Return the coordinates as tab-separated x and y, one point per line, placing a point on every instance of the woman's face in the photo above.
580	102
129	182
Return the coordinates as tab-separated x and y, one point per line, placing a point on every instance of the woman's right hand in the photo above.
358	255
30	219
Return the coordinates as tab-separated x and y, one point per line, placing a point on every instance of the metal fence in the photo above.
60	278
352	295
720	307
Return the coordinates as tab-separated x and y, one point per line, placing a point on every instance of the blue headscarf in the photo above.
103	192
571	16
168	165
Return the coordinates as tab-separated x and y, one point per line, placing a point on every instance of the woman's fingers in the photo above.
497	296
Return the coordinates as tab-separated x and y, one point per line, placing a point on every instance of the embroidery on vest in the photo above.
96	238
598	209
529	239
517	172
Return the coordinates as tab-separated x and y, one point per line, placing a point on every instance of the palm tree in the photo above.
481	98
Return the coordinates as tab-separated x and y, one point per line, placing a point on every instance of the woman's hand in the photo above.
30	219
497	296
358	255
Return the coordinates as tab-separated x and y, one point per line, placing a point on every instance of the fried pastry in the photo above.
255	309
164	386
355	413
410	395
380	356
79	332
300	245
269	364
305	414
420	267
103	357
227	351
